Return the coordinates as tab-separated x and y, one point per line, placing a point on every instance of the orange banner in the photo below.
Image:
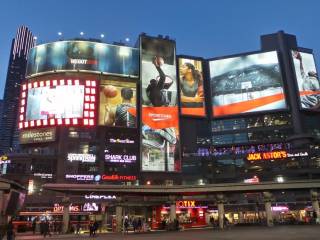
245	106
193	111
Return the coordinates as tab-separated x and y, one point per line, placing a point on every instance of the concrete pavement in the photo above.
298	232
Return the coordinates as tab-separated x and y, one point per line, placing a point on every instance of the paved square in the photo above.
236	233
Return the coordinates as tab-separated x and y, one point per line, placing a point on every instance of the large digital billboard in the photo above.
160	123
55	102
248	83
191	87
50	102
83	55
117	103
307	80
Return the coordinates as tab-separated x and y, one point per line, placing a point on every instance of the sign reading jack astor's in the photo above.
37	135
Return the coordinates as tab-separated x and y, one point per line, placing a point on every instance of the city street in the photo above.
238	233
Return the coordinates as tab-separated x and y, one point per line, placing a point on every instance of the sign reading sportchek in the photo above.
37	135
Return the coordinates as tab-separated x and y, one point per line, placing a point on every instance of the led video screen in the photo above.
50	102
191	87
83	55
160	122
307	80
248	83
117	103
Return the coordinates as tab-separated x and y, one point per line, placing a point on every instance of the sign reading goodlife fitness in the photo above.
37	135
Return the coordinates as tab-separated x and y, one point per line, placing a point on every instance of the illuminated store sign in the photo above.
125	141
116	177
43	175
274	155
189	204
38	135
119	158
80	177
255	179
81	157
100	197
298	154
280	209
267	155
86	207
72	208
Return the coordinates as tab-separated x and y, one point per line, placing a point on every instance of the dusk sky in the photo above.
201	28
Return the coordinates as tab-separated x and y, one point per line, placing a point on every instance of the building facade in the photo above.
94	114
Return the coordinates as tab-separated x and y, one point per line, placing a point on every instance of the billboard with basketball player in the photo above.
307	79
247	83
191	87
117	103
160	123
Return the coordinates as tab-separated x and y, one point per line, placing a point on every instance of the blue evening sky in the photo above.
200	27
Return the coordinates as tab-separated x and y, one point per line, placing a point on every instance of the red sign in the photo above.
73	208
267	155
189	204
116	177
255	179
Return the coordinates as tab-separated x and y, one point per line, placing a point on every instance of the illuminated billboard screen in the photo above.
58	102
191	87
50	102
83	55
160	123
248	83
117	103
307	79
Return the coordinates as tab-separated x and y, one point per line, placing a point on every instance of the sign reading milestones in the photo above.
37	135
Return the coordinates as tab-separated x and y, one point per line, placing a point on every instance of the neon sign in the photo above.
267	155
81	157
80	177
98	197
188	204
116	177
255	179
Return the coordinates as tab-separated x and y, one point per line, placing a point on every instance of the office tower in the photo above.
20	47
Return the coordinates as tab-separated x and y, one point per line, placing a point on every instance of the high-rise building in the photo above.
20	47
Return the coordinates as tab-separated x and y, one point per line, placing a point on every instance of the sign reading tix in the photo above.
37	135
267	155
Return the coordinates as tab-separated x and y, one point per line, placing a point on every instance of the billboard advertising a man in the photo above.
248	83
117	103
83	55
160	123
307	79
191	87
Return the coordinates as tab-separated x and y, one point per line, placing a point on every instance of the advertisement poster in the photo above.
160	119
117	103
83	55
307	79
49	102
191	87
248	83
